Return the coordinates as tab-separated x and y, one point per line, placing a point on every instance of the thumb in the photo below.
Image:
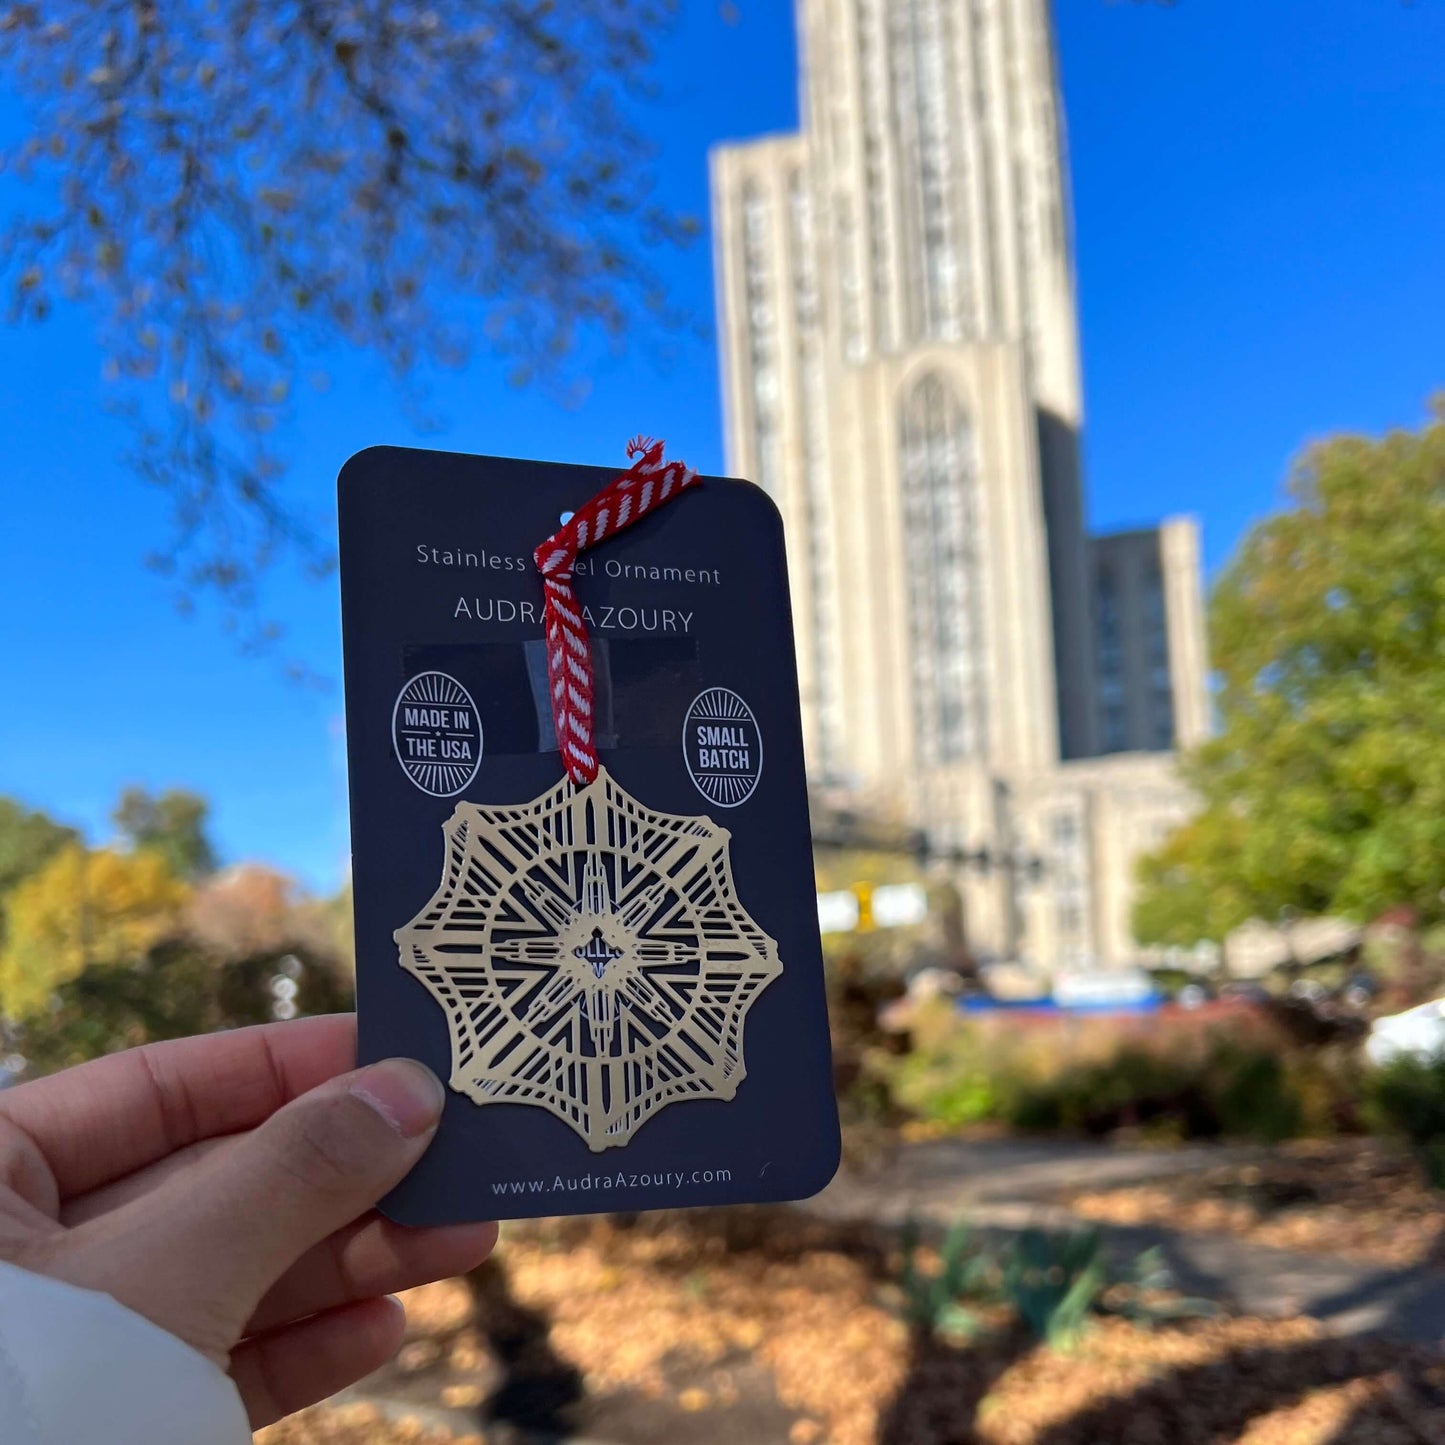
205	1247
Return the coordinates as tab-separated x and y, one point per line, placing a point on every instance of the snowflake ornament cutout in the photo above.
591	956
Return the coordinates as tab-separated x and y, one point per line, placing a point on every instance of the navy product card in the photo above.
620	981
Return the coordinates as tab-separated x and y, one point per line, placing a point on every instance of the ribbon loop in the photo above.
642	488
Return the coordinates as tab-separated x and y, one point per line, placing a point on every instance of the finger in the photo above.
118	1114
24	1170
293	1367
197	1254
119	1192
370	1257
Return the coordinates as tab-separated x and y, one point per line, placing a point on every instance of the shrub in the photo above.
1133	1086
933	1300
1228	1088
1250	1094
1053	1281
957	1073
1406	1098
1094	1077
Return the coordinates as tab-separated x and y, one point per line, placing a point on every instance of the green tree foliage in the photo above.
1189	889
1324	791
27	840
175	989
172	824
231	185
1407	1098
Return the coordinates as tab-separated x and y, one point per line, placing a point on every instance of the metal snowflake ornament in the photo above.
591	956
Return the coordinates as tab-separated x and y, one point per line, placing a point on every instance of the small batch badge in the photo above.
592	953
724	747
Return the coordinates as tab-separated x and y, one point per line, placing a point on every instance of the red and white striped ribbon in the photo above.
642	488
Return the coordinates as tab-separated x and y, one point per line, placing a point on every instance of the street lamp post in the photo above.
1017	866
847	832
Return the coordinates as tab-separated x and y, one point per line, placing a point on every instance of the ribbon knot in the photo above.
642	488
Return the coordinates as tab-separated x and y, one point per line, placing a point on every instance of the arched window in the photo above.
945	582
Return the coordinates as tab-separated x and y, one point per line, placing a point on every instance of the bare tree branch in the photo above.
234	185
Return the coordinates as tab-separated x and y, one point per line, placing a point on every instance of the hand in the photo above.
223	1187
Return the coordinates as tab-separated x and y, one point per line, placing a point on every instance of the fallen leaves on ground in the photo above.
1243	1380
357	1424
624	1305
681	1308
1356	1199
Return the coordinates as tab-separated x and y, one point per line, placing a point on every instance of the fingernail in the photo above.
405	1093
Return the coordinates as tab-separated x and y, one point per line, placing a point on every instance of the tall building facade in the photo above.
900	371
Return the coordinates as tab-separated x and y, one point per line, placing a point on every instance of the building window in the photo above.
811	411
1156	651
1113	718
982	26
1070	889
873	100
762	332
850	286
945	583
923	84
1020	172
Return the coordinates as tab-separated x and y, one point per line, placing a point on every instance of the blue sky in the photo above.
1259	196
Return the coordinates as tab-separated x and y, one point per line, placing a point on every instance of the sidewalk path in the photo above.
1009	1183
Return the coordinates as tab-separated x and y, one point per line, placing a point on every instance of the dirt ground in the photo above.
754	1327
1358	1198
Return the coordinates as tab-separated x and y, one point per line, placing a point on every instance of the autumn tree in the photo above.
102	949
1324	791
251	910
84	909
232	187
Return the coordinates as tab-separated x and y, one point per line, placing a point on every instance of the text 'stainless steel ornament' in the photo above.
590	953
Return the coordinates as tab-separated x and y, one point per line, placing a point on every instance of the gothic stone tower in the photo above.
901	373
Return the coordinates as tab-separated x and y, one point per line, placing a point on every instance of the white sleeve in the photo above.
76	1366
